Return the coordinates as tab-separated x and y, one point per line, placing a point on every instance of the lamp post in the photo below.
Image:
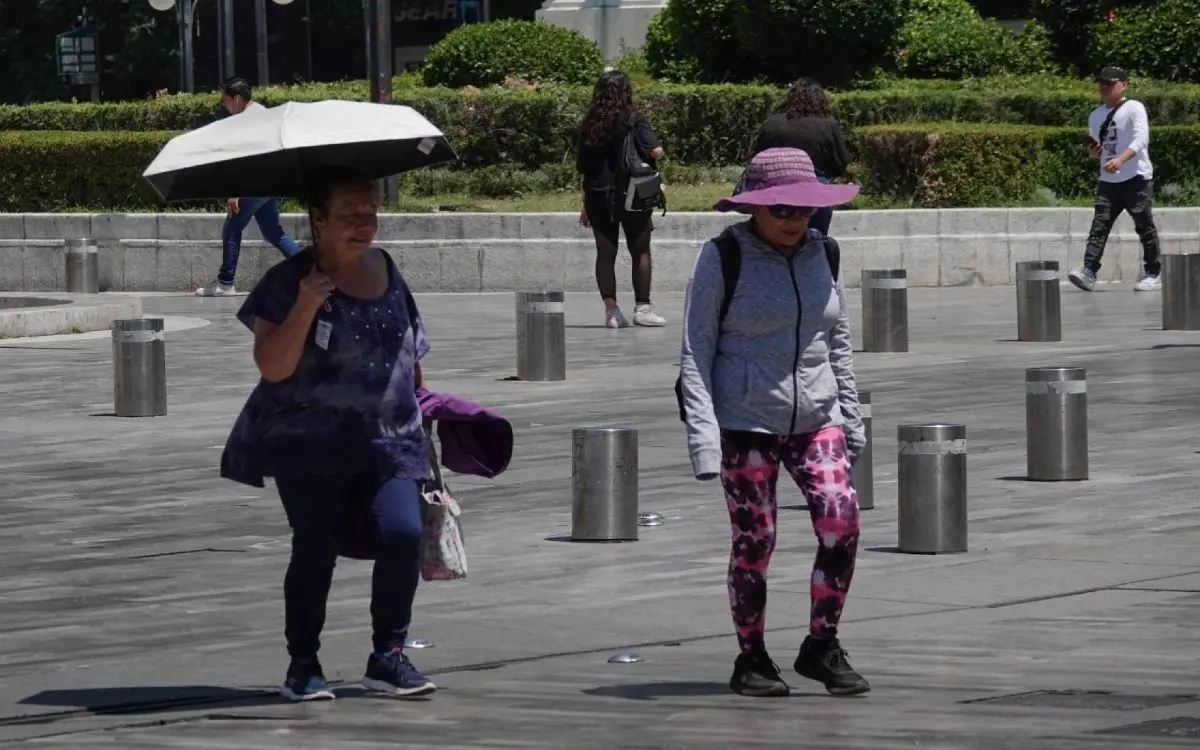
260	34
185	15
378	24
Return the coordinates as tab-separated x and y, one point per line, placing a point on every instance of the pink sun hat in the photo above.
785	177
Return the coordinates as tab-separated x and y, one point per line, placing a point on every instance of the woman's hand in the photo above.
583	218
315	288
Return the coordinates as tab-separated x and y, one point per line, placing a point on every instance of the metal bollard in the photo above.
83	267
1056	429
604	475
541	336
139	368
863	473
885	311
1039	308
1181	292
932	475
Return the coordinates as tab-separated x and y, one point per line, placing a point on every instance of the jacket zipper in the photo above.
796	357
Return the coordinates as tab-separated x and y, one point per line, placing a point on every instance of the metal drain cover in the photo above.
1088	700
1180	727
650	519
625	657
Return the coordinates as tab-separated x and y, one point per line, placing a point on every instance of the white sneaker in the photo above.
216	289
614	318
644	315
1148	283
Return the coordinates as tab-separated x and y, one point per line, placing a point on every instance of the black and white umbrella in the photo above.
269	152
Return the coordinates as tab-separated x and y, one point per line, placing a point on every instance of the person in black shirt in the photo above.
805	121
600	139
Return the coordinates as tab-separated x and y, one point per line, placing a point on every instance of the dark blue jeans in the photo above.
316	511
266	212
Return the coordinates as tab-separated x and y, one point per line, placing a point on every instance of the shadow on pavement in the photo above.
649	691
143	700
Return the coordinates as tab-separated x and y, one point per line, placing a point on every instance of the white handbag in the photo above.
443	556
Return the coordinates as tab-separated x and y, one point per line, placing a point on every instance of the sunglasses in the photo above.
791	212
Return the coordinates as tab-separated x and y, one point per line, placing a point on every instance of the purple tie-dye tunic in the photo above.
351	405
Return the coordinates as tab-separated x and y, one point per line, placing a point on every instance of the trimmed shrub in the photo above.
665	60
923	165
53	171
1070	27
949	39
837	42
486	54
694	41
951	165
1162	41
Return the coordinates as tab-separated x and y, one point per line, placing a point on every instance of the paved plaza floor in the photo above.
141	595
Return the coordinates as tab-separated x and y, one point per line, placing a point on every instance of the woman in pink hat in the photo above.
767	380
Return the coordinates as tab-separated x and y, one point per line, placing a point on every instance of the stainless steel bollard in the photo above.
932	498
604	475
139	368
1181	292
83	267
541	336
885	311
863	474
1056	429
1039	307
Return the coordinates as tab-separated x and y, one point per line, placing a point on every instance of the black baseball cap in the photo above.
1112	74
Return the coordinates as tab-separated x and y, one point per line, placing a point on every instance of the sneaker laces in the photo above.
763	664
397	661
838	658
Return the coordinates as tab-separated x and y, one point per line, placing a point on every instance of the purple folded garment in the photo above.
474	439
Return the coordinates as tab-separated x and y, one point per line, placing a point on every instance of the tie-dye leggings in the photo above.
820	465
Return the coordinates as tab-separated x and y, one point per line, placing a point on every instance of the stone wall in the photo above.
505	252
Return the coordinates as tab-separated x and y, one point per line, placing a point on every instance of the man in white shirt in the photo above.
237	97
1120	140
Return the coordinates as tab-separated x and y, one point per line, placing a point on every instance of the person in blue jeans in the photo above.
238	97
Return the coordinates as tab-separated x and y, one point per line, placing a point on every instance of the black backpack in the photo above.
731	268
639	184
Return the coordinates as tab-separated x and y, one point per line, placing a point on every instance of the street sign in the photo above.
77	53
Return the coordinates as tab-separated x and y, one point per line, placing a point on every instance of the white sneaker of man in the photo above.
1148	283
216	289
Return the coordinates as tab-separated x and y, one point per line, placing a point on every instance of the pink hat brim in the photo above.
801	194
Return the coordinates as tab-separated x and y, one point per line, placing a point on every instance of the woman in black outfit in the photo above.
600	139
805	121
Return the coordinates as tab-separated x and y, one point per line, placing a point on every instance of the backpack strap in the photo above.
731	269
1109	120
833	254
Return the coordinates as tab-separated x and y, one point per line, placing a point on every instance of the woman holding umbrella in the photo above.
338	341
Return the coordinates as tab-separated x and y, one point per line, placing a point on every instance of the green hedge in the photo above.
949	165
700	125
924	165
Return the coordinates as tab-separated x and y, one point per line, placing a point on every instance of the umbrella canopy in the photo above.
268	152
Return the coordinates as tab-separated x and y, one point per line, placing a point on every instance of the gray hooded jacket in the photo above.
782	362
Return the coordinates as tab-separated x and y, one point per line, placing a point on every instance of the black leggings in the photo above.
607	221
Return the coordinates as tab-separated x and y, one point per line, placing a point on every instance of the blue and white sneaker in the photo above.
305	681
393	674
1084	278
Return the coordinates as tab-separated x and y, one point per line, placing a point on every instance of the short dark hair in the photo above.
238	87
